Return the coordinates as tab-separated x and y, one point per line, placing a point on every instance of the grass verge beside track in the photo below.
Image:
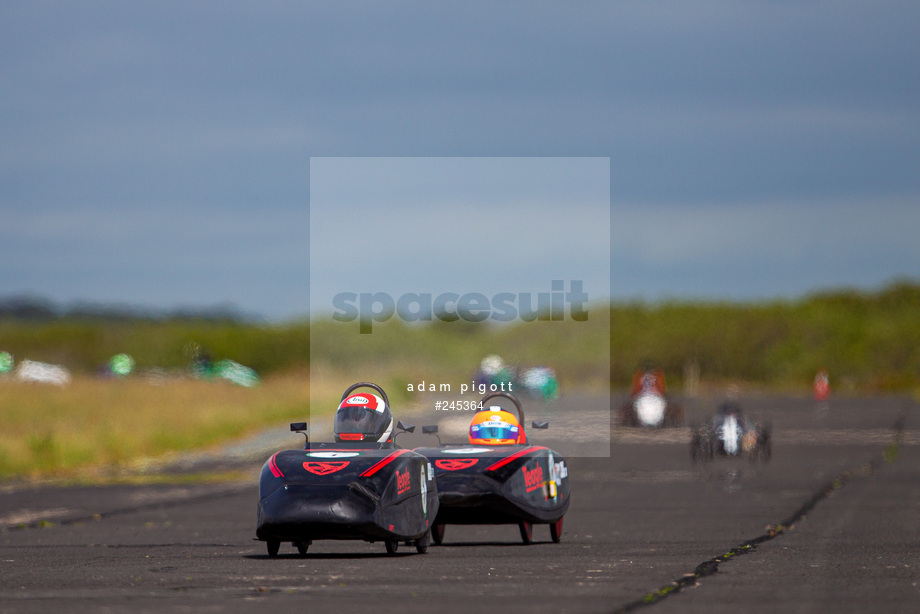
94	427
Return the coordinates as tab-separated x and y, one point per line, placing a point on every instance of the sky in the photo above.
158	154
457	225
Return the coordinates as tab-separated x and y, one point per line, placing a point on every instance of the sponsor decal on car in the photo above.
324	467
424	484
403	481
455	464
553	479
562	472
533	478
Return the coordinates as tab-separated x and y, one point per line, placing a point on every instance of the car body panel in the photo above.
499	484
346	491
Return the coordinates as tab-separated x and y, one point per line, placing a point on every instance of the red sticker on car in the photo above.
455	464
403	482
324	468
533	478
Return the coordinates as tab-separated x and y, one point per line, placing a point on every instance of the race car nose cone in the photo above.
337	505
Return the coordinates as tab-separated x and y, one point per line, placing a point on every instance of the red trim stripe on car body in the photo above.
274	466
517	454
383	462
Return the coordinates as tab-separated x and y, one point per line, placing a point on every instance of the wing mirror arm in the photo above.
432	430
301	427
403	427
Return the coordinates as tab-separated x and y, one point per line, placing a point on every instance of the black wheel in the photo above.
526	531
421	544
437	534
302	547
673	416
628	416
273	547
555	531
392	546
701	446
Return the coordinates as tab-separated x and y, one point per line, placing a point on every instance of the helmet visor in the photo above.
504	431
359	420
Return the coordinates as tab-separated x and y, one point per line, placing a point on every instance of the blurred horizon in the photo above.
28	307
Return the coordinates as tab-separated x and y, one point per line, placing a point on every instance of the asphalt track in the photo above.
830	524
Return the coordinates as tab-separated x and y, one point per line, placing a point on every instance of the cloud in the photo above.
129	128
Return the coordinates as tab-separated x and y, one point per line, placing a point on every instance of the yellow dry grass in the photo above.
91	423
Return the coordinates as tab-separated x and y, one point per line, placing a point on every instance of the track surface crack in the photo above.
711	566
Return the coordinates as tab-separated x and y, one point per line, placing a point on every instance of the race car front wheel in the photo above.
421	545
555	531
437	534
302	547
526	531
273	547
392	546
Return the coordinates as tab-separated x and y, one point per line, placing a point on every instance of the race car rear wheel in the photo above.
437	534
701	445
273	547
555	531
526	531
673	415
392	546
766	449
421	544
628	415
302	547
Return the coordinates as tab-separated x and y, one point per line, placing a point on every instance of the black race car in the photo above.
730	433
359	487
518	484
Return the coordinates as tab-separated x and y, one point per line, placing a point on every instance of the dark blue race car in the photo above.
481	482
361	486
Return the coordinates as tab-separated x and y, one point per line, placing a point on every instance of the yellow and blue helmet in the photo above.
494	426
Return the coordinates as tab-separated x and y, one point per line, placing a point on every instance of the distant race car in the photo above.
536	382
359	487
651	409
648	404
730	433
496	477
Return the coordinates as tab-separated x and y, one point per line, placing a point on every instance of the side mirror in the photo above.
432	429
301	427
403	427
541	424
